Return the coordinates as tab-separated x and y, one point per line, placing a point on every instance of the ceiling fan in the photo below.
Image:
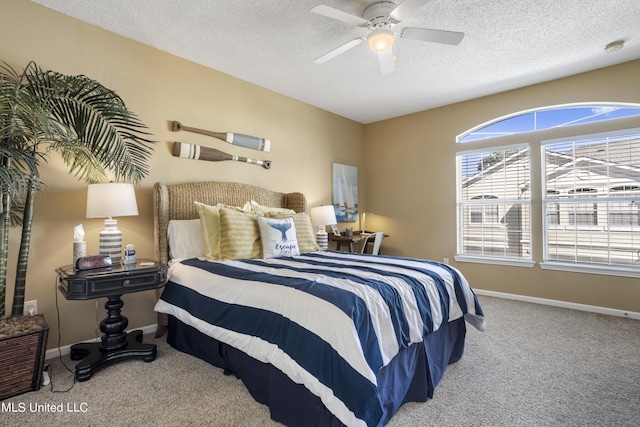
381	18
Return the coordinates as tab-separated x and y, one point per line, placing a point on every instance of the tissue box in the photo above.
23	341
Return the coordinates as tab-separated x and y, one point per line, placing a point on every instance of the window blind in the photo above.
591	198
494	203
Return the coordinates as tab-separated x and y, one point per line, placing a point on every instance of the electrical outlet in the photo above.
445	260
30	308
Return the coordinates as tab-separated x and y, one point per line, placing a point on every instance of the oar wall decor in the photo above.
197	152
246	141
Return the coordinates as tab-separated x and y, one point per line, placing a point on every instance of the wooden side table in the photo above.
349	241
112	283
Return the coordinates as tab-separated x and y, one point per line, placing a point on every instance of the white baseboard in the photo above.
563	304
52	353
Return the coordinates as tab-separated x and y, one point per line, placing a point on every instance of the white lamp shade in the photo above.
106	201
323	215
111	200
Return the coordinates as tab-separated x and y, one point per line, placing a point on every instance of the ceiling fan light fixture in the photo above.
614	46
381	40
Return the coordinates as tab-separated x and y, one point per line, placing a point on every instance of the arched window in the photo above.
549	117
588	189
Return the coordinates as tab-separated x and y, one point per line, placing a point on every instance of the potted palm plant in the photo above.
87	124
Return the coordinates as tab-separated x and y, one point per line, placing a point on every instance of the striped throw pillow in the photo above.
239	234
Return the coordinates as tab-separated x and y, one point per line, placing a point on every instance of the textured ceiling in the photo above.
273	44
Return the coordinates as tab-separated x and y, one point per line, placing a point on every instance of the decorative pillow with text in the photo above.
278	237
305	233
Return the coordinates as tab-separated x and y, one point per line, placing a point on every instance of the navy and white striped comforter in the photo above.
322	315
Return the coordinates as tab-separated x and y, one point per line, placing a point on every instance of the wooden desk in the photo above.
349	241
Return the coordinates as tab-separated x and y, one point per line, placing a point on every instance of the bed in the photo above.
322	338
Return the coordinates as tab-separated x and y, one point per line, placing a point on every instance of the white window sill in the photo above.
591	269
550	265
495	260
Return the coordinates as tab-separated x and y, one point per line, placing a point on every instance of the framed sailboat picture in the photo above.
345	192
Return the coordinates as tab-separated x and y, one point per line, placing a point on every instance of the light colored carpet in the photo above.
534	366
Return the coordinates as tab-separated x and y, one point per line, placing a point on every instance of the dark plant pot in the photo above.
23	341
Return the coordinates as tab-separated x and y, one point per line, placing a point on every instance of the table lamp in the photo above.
110	200
321	216
363	230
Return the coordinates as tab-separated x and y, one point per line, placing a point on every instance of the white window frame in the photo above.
537	217
460	139
490	202
577	266
486	211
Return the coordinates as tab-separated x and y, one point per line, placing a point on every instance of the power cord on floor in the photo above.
97	322
50	374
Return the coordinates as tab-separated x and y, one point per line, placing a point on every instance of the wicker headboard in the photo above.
176	201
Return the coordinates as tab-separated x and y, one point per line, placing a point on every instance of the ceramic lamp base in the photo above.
111	240
322	239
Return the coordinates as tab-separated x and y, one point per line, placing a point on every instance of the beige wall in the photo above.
411	186
159	88
406	165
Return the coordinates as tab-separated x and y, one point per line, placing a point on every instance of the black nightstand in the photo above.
112	283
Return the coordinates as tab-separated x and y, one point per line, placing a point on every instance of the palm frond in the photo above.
15	213
63	112
88	124
83	164
14	180
102	122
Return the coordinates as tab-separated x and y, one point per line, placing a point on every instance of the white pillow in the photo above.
185	239
278	237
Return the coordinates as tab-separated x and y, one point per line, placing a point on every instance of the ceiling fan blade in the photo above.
406	9
337	51
339	15
435	36
387	61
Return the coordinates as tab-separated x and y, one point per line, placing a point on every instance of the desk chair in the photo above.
377	240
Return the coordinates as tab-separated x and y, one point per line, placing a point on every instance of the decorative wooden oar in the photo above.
246	141
197	152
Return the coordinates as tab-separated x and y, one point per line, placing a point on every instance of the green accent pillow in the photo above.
265	210
210	227
239	234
